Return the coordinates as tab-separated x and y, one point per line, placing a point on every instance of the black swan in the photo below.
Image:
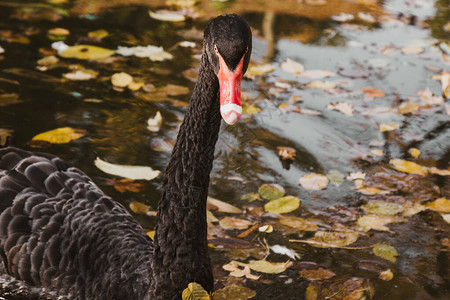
60	232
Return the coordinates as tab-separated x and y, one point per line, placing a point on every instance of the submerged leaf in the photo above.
216	204
127	171
195	291
86	52
234	223
385	251
377	222
61	135
235	292
319	274
386	275
327	239
271	191
282	205
301	224
336	178
382	208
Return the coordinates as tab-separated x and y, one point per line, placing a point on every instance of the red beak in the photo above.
230	91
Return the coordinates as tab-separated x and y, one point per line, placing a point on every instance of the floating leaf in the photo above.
408	167
151	52
60	135
356	175
286	152
127	171
414	152
58	31
121	79
326	239
292	66
250	109
235	292
377	152
382	208
81	75
373	92
266	228
343	107
388	127
301	224
282	205
215	204
412	50
386	275
268	267
167	16
233	267
437	171
98	34
195	291
86	52
324	85
314	182
48	60
256	70
319	274
441	205
154	124
139	207
408	108
234	223
317	74
367	190
385	251
377	222
126	184
336	178
271	191
251	197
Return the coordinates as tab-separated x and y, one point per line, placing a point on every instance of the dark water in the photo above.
246	153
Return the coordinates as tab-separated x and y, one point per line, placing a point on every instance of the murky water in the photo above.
356	51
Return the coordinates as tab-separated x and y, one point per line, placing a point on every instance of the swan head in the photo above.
228	45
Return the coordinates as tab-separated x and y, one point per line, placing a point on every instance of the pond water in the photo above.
379	63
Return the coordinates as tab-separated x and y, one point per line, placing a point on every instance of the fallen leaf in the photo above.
287	107
366	190
151	52
292	66
282	205
386	275
86	52
441	205
121	79
434	170
127	171
385	251
167	16
251	197
234	223
414	152
382	208
373	92
266	228
154	124
139	207
316	74
408	108
412	50
319	274
377	222
270	191
195	291
256	70
126	184
428	97
222	206
151	234
314	182
408	167
61	135
336	178
235	292
98	34
58	31
366	17
343	107
343	17
233	267
445	84
48	60
356	175
81	75
388	127
286	152
377	152
326	239
324	85
264	266
298	223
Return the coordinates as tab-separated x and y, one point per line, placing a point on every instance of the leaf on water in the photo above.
167	16
414	152
343	17
408	108
343	107
154	124
326	239
382	208
387	127
256	70
353	73
408	167
271	191
292	66
367	190
428	97
324	85
386	275
286	152
235	292
81	75
317	74
61	135
8	99
58	31
151	234
98	34
445	83
336	178
319	274
377	152
385	251
127	171
151	52
266	228
126	184
314	182
216	204
195	291
437	171
121	79
441	205
234	223
412	50
251	197
264	266
377	222
138	207
285	251
250	109
236	271
282	205
175	90
48	60
287	107
301	224
373	92
356	175
86	52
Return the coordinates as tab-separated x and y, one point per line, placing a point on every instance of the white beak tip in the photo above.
231	113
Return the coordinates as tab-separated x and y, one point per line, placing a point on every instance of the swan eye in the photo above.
215	49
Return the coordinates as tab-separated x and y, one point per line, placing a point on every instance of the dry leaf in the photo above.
325	239
234	223
153	53
167	16
412	50
408	108
292	67
60	135
428	97
388	127
386	275
195	291
216	204
324	85
414	152
382	208
343	107
282	205
234	292
373	92
265	266
314	182
301	224
127	171
286	152
154	124
138	207
408	167
434	170
319	274
356	175
377	222
441	205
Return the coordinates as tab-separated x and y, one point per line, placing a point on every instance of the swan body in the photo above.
61	233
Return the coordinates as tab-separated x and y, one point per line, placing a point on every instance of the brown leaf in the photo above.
234	223
319	274
373	92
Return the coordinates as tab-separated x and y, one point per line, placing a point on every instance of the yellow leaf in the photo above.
373	92
440	205
437	171
87	52
408	167
286	152
282	205
314	182
266	228
265	266
138	207
385	251
195	291
58	31
250	109
234	292
377	222
414	152
382	208
327	239
367	190
121	79
377	152
256	70
98	34
386	275
60	135
151	234
270	191
412	50
408	108
388	127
